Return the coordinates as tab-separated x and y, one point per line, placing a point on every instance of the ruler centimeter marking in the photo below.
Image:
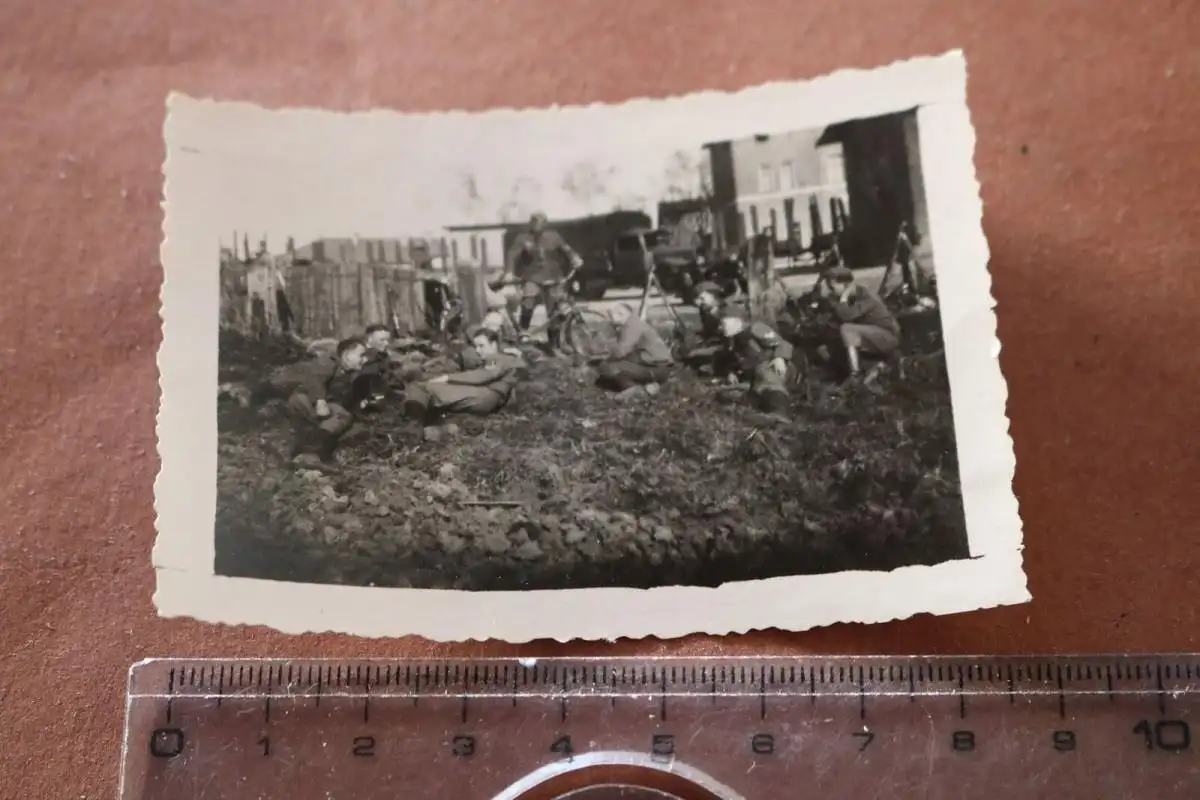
680	708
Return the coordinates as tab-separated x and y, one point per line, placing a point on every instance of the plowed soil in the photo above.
683	488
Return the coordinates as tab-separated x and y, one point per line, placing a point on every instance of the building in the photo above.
799	185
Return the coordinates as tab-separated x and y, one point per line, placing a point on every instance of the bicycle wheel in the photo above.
589	333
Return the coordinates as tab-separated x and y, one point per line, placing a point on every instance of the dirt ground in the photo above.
678	489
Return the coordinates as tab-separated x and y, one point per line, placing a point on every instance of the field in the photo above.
678	489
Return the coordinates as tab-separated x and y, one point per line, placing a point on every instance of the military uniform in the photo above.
479	391
537	259
307	382
868	321
751	352
705	349
640	357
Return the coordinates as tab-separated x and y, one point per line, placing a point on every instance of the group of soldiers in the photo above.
479	374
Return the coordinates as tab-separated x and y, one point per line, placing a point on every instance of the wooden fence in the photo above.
336	288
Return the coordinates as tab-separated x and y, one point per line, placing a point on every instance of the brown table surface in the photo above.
1086	113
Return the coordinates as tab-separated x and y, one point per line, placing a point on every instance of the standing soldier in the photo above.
536	259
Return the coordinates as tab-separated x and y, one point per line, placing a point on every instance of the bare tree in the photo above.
587	183
688	176
522	200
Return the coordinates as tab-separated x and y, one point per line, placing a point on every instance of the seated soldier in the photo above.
706	347
640	359
479	391
322	399
866	323
762	358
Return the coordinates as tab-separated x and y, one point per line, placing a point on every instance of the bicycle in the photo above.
586	333
443	308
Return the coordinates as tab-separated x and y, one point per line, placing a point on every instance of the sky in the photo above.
308	174
376	181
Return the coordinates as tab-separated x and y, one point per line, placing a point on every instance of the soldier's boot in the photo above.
416	411
326	446
554	338
302	442
772	400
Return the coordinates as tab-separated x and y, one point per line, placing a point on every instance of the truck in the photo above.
681	259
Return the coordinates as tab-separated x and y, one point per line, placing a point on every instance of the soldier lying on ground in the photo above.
866	323
420	360
761	359
322	399
378	373
640	358
480	391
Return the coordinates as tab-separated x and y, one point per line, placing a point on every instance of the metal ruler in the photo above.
712	728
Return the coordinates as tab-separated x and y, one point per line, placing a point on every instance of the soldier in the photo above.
479	391
641	358
379	370
761	357
536	259
501	323
704	350
321	400
867	325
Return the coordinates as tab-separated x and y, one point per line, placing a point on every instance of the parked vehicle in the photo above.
678	264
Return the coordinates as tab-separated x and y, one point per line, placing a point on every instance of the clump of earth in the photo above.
569	488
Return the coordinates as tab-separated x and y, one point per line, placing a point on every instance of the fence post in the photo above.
760	281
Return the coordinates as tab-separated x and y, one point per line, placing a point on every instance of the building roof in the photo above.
487	226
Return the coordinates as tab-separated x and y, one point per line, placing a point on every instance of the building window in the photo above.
754	219
774	225
787	176
474	247
833	165
766	179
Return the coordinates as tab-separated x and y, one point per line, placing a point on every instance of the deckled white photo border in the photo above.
200	134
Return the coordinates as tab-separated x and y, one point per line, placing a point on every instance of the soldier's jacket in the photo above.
500	373
864	307
381	363
540	257
756	345
320	378
641	343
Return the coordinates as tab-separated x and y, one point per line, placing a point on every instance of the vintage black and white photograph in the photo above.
496	374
